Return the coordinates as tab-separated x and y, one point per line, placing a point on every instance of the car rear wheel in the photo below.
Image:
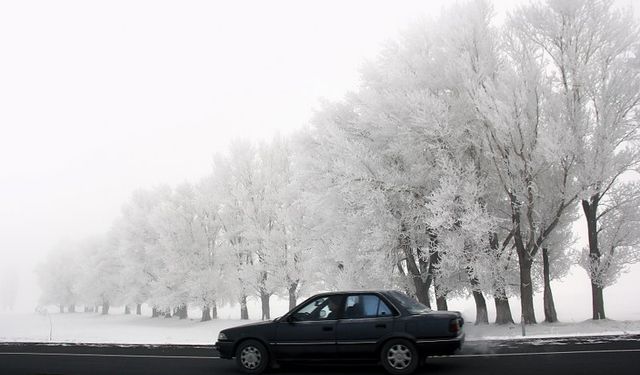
399	357
252	357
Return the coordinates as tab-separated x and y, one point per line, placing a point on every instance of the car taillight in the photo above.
454	326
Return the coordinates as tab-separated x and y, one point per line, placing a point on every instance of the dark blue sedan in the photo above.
385	326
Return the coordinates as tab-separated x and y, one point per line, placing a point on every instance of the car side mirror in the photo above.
291	319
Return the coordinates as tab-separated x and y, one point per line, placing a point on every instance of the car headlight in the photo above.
222	337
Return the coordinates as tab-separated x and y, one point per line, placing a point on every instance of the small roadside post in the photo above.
44	311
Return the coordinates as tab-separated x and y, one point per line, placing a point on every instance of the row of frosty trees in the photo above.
460	167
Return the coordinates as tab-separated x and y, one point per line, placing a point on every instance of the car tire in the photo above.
252	357
399	357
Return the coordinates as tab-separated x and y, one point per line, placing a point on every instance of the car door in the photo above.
309	332
366	319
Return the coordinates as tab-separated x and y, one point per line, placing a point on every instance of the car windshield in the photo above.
410	304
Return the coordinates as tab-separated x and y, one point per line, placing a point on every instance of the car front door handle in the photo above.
381	325
327	328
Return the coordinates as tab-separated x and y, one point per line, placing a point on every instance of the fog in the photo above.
98	99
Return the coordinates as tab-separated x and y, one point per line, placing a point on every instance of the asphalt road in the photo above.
614	355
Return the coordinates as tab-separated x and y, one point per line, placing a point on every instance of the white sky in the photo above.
99	98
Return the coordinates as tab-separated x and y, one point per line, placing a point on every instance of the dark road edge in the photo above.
630	342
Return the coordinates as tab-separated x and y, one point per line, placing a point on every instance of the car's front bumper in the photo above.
225	348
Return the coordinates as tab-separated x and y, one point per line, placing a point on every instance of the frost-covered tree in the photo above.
59	275
455	169
508	88
100	267
287	239
262	220
592	49
139	243
181	242
361	176
618	238
347	228
209	279
242	220
386	148
236	248
465	52
497	267
461	222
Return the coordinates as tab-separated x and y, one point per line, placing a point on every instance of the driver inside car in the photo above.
334	306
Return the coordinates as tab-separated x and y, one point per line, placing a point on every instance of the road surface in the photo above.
612	355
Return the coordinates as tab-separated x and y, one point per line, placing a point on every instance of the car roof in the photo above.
386	293
342	292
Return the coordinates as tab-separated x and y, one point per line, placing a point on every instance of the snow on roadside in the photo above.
131	329
543	330
118	329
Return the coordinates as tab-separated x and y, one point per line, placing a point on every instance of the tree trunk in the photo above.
182	311
441	303
61	307
598	302
550	315
139	309
105	308
71	308
167	312
590	209
206	314
155	312
244	311
214	310
293	295
482	316
503	310
421	287
441	298
526	291
434	260
127	310
266	310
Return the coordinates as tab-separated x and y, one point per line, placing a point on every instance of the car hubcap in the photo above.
399	357
250	357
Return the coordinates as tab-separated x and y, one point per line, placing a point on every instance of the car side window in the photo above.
322	308
365	306
383	309
310	311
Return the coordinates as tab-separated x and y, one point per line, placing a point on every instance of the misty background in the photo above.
98	99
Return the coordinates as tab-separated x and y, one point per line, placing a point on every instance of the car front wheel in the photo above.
252	357
399	357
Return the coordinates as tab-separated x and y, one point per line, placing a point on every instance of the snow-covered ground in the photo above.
96	328
131	329
585	328
572	302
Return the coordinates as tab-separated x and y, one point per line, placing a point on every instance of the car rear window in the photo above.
366	306
410	304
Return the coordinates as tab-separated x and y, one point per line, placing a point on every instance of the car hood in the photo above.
247	326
